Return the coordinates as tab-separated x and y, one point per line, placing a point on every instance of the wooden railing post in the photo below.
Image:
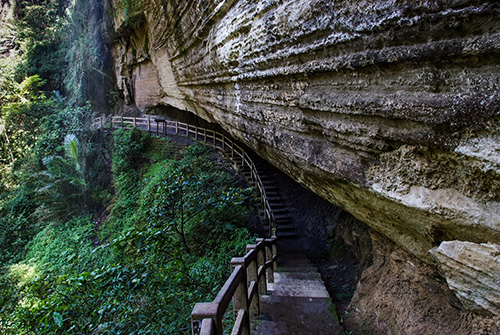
274	249
272	225
149	124
261	265
252	277
204	316
240	297
269	258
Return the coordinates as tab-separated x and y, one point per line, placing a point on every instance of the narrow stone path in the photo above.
297	303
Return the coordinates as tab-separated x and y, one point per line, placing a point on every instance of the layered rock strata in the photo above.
388	108
400	294
468	265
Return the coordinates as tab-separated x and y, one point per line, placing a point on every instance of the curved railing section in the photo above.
211	137
249	274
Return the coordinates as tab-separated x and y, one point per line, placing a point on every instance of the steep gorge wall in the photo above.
388	108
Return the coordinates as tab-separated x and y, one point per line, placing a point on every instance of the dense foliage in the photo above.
97	235
166	246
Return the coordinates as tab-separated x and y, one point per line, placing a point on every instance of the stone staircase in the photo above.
285	228
297	302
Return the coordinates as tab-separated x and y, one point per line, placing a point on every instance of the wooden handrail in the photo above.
216	139
249	274
247	282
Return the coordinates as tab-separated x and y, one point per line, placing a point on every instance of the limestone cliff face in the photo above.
387	108
6	29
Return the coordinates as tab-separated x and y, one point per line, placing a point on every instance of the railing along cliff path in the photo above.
249	274
211	137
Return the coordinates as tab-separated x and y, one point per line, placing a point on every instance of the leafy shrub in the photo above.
17	224
128	156
65	248
172	250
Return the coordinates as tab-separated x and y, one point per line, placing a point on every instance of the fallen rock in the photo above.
400	294
472	271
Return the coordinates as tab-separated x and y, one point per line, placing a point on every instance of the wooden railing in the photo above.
249	274
249	277
213	138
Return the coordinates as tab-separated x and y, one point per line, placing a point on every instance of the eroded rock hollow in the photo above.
389	109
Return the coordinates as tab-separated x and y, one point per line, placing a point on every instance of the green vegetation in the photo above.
97	234
167	245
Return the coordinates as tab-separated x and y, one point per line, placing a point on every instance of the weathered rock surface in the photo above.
7	29
468	265
400	294
388	108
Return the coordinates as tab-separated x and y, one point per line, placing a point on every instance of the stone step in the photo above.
298	269
272	192
297	303
286	234
268	327
295	265
289	276
286	227
302	288
299	306
296	316
281	216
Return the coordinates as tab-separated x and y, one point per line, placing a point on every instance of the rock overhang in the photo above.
389	109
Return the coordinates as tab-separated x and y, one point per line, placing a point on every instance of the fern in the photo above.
71	145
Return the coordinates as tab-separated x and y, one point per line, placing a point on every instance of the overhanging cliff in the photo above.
389	109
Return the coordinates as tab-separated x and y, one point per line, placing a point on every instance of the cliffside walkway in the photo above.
297	302
274	289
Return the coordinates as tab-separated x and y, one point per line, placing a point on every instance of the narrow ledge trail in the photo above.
297	302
